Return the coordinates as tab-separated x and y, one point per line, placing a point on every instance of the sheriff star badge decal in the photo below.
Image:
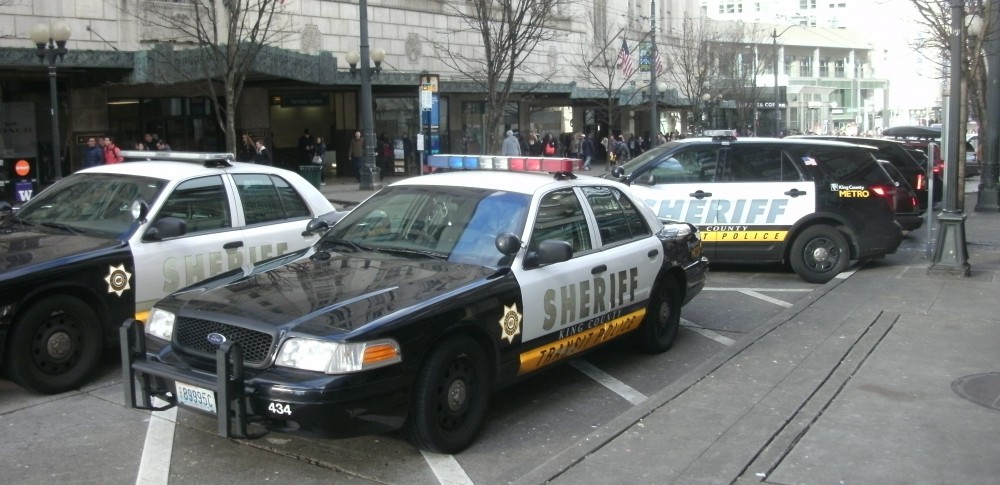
118	279
510	323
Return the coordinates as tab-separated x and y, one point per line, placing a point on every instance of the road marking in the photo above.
446	469
154	467
779	290
704	332
761	296
618	387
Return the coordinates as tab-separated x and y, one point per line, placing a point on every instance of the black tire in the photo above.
663	318
54	345
450	397
819	253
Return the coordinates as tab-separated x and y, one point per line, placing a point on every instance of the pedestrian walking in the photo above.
510	146
549	145
534	146
574	146
263	155
112	154
357	154
93	155
587	151
319	156
306	146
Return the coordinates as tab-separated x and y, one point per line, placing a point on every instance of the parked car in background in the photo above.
919	138
105	243
814	204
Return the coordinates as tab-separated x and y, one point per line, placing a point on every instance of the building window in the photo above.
807	4
824	68
805	67
839	69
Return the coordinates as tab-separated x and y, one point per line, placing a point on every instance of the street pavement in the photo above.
888	374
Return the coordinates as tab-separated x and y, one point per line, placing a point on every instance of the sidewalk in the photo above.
862	382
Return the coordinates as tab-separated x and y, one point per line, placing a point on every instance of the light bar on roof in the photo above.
177	156
506	164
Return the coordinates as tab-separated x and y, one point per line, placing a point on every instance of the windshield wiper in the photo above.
344	242
414	252
66	227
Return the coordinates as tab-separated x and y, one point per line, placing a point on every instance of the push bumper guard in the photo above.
228	385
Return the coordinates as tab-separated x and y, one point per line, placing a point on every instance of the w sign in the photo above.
23	191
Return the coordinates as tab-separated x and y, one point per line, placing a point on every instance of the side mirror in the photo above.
166	228
5	207
507	243
316	226
140	209
549	251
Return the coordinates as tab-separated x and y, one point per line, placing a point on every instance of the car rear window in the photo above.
841	164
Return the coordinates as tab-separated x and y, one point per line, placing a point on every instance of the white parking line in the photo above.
154	467
618	387
761	296
446	469
704	332
779	290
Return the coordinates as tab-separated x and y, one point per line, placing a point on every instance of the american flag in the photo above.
625	62
659	64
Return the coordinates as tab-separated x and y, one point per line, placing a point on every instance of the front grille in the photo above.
192	335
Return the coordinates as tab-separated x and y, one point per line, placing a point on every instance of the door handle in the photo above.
652	253
700	194
795	193
233	245
599	269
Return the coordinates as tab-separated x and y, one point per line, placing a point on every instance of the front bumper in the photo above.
305	403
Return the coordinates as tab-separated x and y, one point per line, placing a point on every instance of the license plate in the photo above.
195	397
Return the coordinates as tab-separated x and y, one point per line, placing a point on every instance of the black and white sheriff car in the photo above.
419	303
813	204
105	243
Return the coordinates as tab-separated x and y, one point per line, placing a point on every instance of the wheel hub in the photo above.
59	345
821	254
457	394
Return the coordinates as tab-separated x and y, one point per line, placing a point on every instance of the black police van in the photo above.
814	204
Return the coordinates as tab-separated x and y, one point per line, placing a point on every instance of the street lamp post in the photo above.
988	197
777	111
51	43
369	173
950	253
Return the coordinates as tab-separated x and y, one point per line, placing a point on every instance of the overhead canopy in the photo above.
913	131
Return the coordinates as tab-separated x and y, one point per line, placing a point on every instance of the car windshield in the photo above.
459	224
99	205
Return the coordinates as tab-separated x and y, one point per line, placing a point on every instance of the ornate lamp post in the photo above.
951	255
369	172
51	43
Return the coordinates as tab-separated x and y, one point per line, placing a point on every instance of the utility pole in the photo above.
654	118
989	138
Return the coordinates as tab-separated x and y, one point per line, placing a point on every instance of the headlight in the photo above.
337	357
160	324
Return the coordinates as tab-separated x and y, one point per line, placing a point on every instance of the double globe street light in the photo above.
51	43
368	173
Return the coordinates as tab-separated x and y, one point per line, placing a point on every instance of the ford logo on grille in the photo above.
216	338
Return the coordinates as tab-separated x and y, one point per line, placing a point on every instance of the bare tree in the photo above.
226	37
694	67
596	64
935	20
509	32
741	65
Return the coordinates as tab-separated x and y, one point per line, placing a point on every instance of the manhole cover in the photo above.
982	389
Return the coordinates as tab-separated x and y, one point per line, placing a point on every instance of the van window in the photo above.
839	164
757	164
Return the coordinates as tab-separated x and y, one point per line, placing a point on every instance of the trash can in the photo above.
311	173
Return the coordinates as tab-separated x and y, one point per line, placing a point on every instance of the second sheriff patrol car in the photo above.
811	203
419	303
103	244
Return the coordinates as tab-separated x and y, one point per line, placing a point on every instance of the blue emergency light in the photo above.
506	164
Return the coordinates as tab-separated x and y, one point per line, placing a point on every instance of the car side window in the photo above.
758	164
268	198
560	216
201	203
696	164
618	219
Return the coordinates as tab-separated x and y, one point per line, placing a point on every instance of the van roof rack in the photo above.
208	160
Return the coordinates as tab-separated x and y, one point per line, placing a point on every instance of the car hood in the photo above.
328	297
29	249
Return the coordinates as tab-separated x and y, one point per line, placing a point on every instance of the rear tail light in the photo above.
921	182
887	192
